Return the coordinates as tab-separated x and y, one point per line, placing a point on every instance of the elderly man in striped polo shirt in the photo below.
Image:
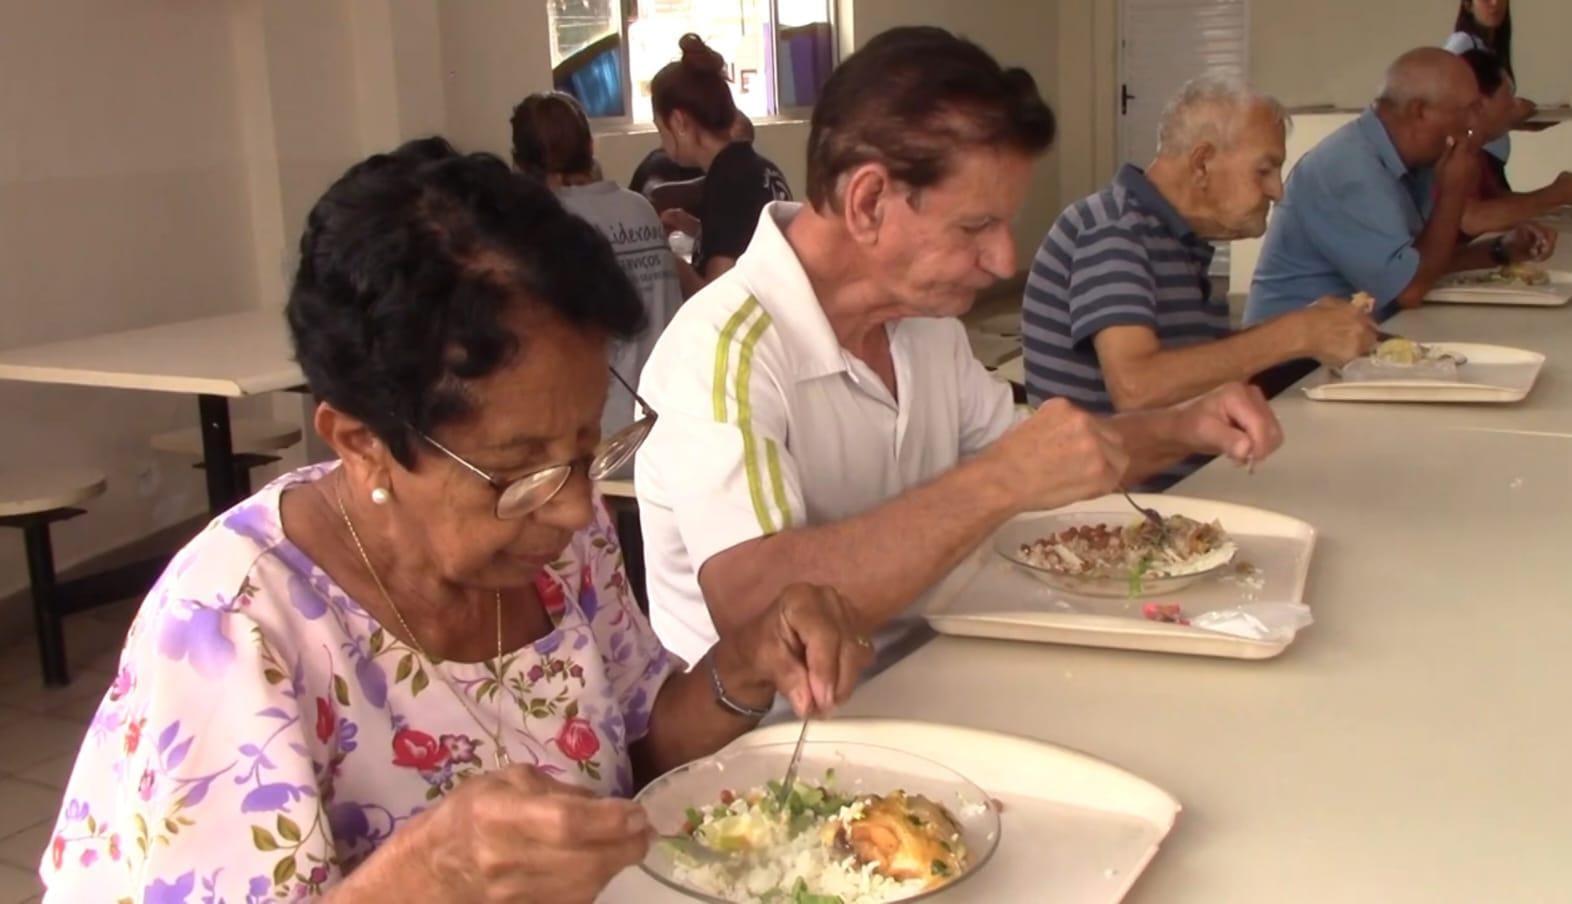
1119	313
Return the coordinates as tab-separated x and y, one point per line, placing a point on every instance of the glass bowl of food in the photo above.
862	824
1116	554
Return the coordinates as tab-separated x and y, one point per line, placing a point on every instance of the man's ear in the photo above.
1200	160
866	195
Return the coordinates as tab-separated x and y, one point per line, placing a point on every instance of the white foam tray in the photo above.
1557	293
1494	373
989	597
1074	829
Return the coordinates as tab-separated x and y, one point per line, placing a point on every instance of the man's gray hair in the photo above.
1209	108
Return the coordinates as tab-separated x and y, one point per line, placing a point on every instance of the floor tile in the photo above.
51	773
27	740
24	805
25	848
18	885
32	696
80	710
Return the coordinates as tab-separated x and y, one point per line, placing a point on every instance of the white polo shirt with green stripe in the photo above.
767	423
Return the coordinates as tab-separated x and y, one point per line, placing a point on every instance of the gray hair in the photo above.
1208	108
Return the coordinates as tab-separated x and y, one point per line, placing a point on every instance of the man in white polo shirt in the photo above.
821	417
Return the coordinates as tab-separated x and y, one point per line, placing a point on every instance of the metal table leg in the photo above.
46	611
218	454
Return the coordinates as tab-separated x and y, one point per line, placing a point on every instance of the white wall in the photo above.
122	204
1335	51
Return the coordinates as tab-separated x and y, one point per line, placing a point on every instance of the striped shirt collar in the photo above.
1133	180
774	275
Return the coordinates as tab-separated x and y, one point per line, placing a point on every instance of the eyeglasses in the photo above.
523	495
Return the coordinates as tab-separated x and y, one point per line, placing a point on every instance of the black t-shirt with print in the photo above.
658	168
736	188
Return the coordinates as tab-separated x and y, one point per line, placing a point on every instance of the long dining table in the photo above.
1412	744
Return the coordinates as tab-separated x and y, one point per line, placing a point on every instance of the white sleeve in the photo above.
1461	42
717	456
987	403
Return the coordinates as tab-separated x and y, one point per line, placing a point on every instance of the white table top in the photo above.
228	355
1410	746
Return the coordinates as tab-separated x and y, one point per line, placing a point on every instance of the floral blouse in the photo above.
265	734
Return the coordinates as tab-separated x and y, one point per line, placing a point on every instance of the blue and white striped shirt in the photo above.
1123	256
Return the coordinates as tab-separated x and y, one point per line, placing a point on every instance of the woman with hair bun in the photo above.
695	113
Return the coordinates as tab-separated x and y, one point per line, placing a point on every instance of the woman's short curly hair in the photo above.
407	266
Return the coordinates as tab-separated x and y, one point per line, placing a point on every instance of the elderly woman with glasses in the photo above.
417	673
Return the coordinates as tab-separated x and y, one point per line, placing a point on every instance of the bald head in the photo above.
1430	99
1431	76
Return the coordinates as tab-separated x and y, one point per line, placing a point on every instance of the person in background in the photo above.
822	417
416	673
695	115
1487	25
552	143
689	196
1494	207
656	171
1351	219
1119	313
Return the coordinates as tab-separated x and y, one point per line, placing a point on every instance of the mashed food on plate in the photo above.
822	847
1132	551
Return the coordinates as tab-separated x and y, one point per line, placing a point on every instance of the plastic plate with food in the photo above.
1116	553
1510	275
1397	358
861	825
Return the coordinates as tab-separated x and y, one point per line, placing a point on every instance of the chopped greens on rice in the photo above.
821	846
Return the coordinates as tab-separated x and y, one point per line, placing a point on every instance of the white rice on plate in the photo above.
803	859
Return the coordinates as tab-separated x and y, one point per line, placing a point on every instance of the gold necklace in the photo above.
500	752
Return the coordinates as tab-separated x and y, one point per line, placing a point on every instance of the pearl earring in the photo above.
381	496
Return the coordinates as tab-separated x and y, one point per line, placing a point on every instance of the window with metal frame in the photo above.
604	52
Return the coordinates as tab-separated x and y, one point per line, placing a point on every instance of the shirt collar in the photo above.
773	274
1135	181
1374	130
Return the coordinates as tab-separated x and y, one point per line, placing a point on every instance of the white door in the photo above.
1162	45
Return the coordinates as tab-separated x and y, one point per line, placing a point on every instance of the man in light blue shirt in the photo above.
1350	220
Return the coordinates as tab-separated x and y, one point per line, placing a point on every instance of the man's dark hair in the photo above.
408	265
911	99
1488	70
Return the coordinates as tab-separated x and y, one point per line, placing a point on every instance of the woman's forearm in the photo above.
687	722
405	868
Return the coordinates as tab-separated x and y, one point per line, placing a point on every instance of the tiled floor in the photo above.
40	729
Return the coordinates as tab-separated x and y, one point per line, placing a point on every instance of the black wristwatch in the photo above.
1499	252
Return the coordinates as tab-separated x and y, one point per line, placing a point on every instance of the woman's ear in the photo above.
367	460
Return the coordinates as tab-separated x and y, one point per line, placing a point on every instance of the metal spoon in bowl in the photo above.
791	767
